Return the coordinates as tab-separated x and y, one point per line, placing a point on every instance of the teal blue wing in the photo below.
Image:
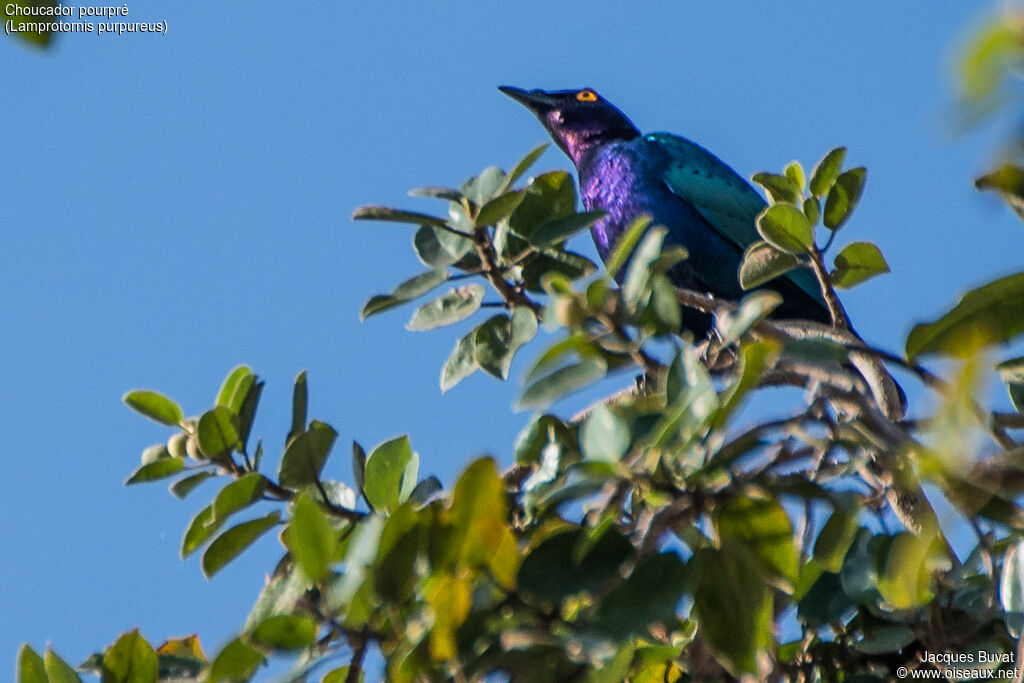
721	196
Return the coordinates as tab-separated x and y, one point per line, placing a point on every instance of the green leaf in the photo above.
733	605
786	228
763	528
559	229
762	263
311	539
386	213
155	406
1012	373
886	639
130	660
438	248
300	406
826	171
496	341
498	208
234	541
1007	180
753	360
604	436
305	455
563	381
834	540
648	596
478	522
456	305
159	469
548	196
843	197
186	485
385	468
407	291
552	572
906	578
990	314
522	166
362	551
246	414
236	662
26	27
639	272
780	188
236	496
812	209
58	670
624	246
31	668
857	262
754	308
569	264
480	188
460	364
200	528
286	632
235	387
358	465
217	432
795	172
1011	588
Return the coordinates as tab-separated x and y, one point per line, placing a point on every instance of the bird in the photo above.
705	206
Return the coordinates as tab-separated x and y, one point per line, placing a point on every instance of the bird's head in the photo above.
578	120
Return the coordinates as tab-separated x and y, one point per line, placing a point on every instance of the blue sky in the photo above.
179	204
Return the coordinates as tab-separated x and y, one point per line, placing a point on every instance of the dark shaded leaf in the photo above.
300	405
386	213
843	197
551	572
569	264
548	196
647	597
305	455
562	228
186	485
449	193
1007	180
1012	373
733	605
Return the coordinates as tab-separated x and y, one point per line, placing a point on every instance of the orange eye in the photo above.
586	96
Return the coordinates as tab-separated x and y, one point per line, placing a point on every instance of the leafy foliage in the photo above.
656	536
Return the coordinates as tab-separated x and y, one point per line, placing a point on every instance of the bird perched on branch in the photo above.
706	206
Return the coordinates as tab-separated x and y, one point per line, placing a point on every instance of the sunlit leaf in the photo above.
310	538
786	228
155	406
384	471
762	262
826	171
857	262
456	305
990	314
285	632
236	662
130	660
780	188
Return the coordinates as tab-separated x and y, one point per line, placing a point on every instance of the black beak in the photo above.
536	101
